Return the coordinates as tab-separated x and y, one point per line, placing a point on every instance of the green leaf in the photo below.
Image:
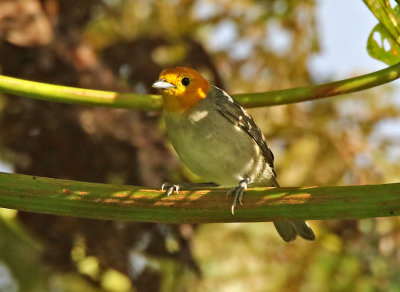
384	40
382	46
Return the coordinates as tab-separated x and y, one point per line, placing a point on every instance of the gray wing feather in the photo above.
236	114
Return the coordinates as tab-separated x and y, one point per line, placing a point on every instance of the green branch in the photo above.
118	202
73	95
81	96
314	92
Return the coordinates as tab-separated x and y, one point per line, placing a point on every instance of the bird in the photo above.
218	140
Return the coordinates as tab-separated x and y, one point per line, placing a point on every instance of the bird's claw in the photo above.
185	186
170	188
238	193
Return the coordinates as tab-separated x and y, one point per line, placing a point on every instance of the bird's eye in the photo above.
185	81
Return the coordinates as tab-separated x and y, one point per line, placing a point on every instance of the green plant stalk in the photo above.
314	92
80	96
119	202
57	93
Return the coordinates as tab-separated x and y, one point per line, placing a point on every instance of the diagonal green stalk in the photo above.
57	93
314	92
119	202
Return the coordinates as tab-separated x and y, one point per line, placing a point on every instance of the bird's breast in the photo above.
214	148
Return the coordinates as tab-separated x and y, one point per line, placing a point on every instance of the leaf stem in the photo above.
73	95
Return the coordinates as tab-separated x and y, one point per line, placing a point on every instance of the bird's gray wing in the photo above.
237	115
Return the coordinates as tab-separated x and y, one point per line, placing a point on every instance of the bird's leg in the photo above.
170	188
186	186
238	193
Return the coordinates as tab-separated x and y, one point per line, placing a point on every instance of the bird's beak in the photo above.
162	84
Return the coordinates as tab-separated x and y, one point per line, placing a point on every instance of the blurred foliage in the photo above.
243	46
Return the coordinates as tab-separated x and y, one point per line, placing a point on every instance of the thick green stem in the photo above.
81	96
118	202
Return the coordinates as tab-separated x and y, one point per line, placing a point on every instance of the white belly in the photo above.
213	148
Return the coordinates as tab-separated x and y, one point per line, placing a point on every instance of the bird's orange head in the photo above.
181	88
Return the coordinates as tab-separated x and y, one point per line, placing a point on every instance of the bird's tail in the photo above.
289	229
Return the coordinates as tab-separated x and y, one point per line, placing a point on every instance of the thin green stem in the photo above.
119	202
314	92
81	96
73	95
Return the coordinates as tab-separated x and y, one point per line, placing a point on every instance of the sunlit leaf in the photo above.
382	46
384	40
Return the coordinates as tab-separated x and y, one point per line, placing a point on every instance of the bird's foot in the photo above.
170	188
238	193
